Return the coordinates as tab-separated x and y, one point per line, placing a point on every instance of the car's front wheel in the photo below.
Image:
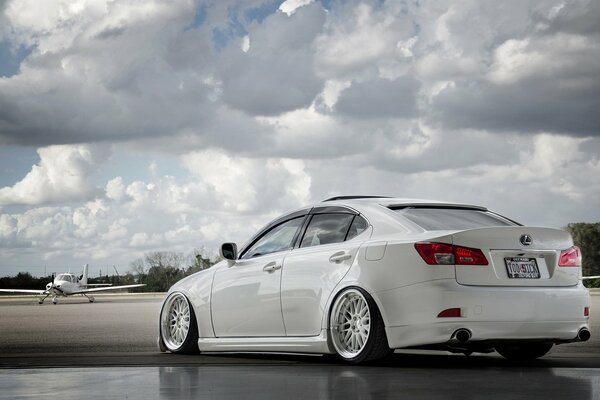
525	351
178	328
357	332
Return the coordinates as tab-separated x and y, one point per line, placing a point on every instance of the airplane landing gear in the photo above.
54	301
90	298
41	300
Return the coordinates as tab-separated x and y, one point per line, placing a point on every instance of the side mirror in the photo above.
229	251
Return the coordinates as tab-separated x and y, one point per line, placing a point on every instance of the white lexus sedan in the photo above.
359	276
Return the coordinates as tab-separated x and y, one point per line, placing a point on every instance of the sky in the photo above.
132	126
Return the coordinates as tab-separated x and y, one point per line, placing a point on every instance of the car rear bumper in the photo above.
488	313
441	333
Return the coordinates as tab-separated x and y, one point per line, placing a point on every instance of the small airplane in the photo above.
68	284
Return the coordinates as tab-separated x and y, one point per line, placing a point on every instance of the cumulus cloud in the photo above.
542	77
115	189
130	71
110	71
243	184
290	6
61	175
276	73
525	108
380	98
364	38
225	197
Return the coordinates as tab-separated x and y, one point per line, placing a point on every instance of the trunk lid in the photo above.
517	256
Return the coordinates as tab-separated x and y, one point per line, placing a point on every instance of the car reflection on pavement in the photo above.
372	382
303	381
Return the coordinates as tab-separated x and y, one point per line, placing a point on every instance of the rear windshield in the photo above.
435	219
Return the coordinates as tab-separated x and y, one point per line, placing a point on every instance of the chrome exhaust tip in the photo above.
584	335
462	335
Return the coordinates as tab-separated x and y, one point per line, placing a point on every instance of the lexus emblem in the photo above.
526	240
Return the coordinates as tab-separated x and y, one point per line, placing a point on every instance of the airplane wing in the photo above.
102	289
22	291
590	277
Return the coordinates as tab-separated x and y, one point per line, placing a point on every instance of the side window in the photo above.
326	229
358	226
277	239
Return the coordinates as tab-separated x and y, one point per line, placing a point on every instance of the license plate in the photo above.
522	268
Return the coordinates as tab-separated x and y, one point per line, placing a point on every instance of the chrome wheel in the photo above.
175	321
350	323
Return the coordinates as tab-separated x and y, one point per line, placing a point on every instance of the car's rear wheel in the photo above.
357	332
524	351
178	329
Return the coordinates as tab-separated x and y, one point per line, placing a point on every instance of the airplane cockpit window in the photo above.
64	277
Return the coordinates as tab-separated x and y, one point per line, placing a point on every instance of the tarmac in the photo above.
107	350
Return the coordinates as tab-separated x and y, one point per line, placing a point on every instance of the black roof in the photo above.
356	197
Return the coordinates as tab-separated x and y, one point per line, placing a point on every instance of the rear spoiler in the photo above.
430	205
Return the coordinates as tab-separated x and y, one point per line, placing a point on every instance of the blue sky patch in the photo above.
261	12
15	163
10	60
234	29
327	4
199	19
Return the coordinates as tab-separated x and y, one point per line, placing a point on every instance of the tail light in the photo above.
447	254
570	257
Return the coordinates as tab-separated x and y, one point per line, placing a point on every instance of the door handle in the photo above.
271	267
339	257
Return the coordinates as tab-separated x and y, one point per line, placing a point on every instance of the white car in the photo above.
359	276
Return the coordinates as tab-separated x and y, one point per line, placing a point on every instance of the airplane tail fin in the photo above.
84	278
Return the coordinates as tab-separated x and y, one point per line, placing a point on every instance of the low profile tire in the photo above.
524	352
178	329
357	332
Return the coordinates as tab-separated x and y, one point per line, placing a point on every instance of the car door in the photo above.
246	294
311	272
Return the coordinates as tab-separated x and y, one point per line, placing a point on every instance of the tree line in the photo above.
587	237
159	270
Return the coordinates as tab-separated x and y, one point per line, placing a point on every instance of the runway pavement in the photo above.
123	323
108	350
